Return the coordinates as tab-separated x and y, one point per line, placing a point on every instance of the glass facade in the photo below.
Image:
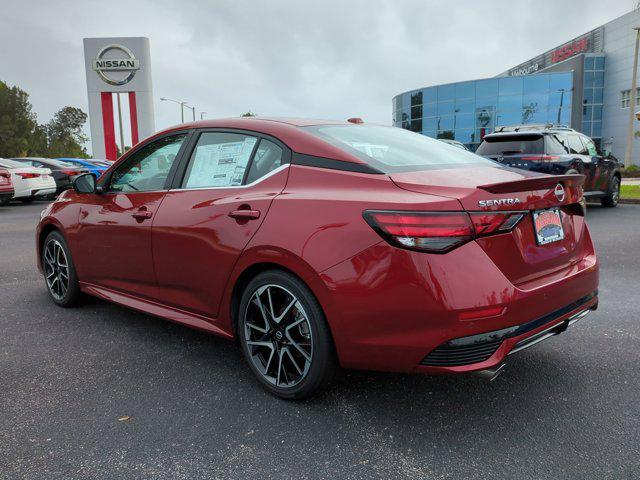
593	85
466	111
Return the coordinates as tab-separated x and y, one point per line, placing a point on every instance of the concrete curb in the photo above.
630	201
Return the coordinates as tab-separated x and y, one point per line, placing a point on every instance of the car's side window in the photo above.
591	147
555	146
219	159
268	157
576	146
147	169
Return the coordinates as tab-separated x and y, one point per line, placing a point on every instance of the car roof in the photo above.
48	161
515	134
286	130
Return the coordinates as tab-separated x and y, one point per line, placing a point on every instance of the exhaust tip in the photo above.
491	374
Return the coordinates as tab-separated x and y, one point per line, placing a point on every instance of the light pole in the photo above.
632	101
182	104
193	111
202	115
561	102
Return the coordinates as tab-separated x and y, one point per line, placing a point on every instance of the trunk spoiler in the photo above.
534	183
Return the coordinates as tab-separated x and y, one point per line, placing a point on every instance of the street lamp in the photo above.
202	115
193	111
182	105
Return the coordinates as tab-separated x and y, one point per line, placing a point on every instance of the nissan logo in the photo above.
113	68
559	192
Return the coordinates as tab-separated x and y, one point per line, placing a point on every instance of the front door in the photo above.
204	224
115	225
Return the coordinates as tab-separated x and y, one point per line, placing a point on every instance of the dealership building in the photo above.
583	83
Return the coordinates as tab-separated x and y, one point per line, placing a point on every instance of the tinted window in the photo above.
554	146
268	157
591	147
5	162
511	145
575	145
147	169
60	163
219	160
392	149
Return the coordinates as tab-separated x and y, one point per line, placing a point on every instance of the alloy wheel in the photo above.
615	195
56	269
278	336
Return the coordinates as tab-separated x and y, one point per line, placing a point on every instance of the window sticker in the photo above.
220	164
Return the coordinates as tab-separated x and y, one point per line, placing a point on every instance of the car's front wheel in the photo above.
613	195
284	336
59	271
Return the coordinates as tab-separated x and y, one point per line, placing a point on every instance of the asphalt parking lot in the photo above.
105	392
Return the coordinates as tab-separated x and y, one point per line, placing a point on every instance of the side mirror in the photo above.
85	183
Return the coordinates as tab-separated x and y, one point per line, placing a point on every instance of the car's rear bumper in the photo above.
389	309
487	350
6	194
40	192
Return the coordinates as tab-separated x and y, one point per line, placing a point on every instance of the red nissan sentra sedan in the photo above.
317	244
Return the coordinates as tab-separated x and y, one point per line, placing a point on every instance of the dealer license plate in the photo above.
548	226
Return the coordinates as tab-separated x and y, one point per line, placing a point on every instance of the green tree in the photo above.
21	135
17	121
248	114
65	135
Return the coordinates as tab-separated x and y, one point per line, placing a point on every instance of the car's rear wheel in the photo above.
613	195
284	336
59	271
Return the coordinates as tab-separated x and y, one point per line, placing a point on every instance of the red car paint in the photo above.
6	186
180	254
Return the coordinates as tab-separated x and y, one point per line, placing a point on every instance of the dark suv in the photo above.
556	150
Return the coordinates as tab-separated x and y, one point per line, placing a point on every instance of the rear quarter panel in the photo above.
316	223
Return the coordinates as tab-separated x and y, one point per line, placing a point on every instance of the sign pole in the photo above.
120	125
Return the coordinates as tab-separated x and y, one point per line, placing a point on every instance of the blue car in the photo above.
95	168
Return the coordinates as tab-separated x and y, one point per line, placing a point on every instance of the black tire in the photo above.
5	201
27	200
52	267
304	336
612	197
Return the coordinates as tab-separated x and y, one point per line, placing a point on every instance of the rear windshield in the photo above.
59	163
5	162
511	145
392	149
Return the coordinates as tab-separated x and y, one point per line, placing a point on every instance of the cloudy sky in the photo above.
323	59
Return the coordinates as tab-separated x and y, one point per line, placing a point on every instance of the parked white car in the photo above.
29	182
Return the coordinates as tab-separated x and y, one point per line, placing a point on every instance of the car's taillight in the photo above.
494	222
542	158
71	173
438	232
28	175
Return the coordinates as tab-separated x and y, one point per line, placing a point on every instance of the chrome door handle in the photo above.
245	214
142	214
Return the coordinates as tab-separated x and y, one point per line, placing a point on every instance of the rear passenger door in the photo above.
217	203
602	167
579	151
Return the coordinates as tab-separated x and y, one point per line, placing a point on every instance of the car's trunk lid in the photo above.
492	189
